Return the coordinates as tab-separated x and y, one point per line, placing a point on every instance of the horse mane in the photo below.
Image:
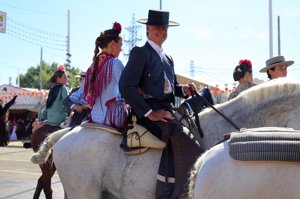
194	173
276	88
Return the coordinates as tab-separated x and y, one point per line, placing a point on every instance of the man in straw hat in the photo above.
148	84
276	67
75	102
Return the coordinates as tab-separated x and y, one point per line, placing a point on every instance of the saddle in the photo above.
138	139
265	144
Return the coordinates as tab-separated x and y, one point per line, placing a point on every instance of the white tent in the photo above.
28	99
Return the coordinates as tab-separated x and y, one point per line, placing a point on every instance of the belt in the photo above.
168	98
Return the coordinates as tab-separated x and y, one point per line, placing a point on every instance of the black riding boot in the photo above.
38	189
186	152
164	190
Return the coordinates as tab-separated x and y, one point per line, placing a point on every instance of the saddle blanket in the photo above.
102	127
265	144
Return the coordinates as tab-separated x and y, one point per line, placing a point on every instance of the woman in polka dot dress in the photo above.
101	83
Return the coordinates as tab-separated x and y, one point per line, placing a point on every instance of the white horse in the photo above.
90	161
217	175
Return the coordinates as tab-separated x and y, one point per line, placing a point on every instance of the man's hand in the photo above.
160	115
186	88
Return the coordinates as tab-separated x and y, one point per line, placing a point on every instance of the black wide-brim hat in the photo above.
158	18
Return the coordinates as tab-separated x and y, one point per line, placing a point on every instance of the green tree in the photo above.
31	79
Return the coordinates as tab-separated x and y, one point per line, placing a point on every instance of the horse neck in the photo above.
214	126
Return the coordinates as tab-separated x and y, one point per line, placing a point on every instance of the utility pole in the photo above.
68	67
133	39
192	69
41	69
279	46
40	86
160	4
270	30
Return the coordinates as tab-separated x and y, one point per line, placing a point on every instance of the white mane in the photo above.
274	88
274	103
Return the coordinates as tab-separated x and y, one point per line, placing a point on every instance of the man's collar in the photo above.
157	49
155	46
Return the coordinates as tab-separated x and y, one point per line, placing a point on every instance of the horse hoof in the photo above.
27	145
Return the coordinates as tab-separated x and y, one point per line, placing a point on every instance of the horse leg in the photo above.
48	170
38	189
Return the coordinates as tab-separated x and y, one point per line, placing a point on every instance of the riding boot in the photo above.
186	152
38	190
164	190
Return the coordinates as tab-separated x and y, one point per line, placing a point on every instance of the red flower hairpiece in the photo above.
117	27
61	67
246	61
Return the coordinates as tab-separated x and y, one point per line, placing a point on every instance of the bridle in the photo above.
207	103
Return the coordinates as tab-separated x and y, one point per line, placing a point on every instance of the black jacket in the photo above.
145	70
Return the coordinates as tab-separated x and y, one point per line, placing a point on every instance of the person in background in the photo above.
81	78
54	114
78	108
148	84
243	74
276	67
3	109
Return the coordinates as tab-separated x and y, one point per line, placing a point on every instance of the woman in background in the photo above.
54	114
243	74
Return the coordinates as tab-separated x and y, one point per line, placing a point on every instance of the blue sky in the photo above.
213	34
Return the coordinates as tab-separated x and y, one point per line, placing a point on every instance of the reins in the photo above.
210	105
196	114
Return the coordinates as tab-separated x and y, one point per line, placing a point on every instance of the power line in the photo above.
34	29
35	36
32	10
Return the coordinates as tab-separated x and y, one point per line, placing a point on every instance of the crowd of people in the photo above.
148	85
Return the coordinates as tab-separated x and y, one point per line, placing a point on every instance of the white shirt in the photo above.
159	50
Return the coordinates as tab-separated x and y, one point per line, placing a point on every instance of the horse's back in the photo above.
219	176
89	161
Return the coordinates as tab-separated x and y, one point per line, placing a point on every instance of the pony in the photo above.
90	161
217	175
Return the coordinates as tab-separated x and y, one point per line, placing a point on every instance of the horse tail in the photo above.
44	151
194	173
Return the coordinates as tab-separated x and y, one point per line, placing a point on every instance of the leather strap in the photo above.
210	105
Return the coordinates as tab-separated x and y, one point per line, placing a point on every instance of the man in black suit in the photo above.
148	84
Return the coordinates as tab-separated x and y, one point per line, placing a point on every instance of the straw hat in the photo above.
275	61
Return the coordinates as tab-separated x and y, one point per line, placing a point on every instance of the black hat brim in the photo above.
145	21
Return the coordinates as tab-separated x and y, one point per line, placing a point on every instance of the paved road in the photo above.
18	176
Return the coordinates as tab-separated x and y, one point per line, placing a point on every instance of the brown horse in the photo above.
48	168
